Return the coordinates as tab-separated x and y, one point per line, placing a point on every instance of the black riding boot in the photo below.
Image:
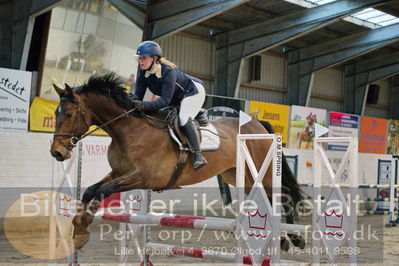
193	138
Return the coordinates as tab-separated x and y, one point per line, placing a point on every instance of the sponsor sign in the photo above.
393	137
276	114
42	116
373	135
342	125
15	87
302	126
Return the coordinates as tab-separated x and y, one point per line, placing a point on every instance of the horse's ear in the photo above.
59	91
68	89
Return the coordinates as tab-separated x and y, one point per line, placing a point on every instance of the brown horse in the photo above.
305	135
142	156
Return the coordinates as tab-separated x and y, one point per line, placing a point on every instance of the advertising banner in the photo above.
276	114
393	137
42	116
342	125
302	124
373	135
15	87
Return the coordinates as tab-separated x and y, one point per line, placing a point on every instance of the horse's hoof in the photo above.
80	240
80	233
80	237
284	244
299	242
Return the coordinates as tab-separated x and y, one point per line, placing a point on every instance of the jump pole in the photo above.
187	221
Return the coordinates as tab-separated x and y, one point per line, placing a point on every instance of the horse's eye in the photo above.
68	115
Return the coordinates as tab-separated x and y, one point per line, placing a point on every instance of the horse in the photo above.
305	135
142	154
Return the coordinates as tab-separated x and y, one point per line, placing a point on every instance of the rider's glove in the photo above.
139	105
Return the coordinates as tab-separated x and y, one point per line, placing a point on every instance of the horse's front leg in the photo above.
90	192
299	140
81	222
84	218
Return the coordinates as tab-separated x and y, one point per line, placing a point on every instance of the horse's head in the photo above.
71	123
310	119
315	118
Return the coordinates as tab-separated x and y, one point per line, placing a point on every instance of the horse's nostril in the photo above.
57	155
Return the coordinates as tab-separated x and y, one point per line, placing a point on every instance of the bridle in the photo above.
74	136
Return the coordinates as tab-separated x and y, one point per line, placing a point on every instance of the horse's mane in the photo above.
108	85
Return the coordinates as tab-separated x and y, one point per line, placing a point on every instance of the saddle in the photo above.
201	120
170	115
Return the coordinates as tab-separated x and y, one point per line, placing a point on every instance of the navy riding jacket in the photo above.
172	87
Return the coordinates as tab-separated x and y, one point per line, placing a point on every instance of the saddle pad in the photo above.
210	142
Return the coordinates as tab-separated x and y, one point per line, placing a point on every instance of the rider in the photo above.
174	88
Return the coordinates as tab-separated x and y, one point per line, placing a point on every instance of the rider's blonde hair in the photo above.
164	61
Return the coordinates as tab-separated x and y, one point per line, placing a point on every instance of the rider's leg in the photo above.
193	138
189	108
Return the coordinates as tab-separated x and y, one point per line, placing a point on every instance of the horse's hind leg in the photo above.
284	243
296	239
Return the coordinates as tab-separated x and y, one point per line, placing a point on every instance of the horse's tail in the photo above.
289	183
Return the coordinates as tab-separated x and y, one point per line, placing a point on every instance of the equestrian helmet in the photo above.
149	48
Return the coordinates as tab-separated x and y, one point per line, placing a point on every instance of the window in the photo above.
88	37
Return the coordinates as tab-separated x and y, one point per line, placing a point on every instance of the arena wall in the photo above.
26	161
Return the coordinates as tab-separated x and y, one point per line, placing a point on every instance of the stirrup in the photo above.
199	161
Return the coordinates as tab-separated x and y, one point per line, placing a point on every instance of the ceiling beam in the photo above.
263	14
131	10
388	8
325	55
42	6
337	51
176	15
377	62
268	34
219	24
259	13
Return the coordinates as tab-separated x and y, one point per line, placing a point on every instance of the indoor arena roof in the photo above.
256	11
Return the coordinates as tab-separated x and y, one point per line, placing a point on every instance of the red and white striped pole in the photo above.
181	221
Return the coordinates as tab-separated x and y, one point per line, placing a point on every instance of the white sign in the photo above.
257	224
95	164
334	223
15	87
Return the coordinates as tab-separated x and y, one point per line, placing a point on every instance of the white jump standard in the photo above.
334	224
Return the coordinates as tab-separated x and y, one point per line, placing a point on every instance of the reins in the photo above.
107	123
165	121
74	139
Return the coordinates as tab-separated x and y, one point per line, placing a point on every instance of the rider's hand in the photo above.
139	105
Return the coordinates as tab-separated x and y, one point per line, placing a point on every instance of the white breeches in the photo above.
191	105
